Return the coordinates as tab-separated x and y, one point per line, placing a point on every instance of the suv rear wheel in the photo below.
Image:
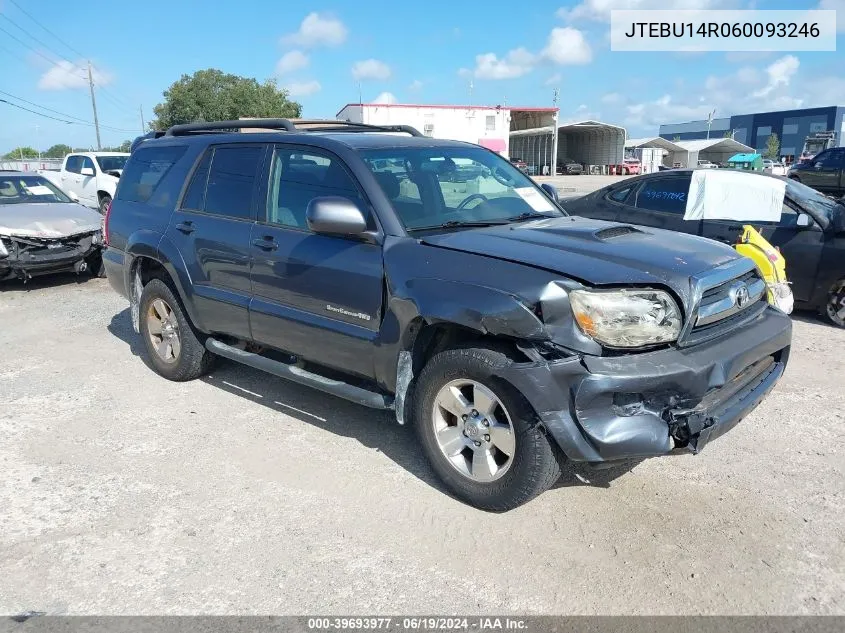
481	436
172	345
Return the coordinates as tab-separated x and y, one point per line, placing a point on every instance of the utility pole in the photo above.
709	123
36	141
94	106
554	134
143	127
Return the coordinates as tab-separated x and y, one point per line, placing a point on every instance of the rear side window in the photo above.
668	195
231	180
195	195
145	170
619	195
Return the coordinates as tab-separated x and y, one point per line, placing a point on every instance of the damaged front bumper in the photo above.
25	257
601	409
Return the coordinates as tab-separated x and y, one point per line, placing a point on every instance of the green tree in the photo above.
728	134
123	147
772	147
212	95
21	152
676	139
58	151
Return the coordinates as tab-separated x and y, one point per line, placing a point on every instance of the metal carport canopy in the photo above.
719	149
592	142
654	141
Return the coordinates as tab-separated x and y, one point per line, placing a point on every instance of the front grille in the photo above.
729	305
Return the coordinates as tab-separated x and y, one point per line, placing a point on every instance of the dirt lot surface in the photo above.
123	493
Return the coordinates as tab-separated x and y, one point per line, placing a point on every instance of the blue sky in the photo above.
410	52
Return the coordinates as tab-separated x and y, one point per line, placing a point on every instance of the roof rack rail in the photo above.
211	126
287	125
350	126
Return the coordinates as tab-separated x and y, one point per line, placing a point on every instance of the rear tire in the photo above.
499	457
174	349
105	201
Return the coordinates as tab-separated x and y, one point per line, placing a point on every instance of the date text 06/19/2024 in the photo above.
417	624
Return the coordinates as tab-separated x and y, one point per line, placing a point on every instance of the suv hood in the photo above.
595	252
47	219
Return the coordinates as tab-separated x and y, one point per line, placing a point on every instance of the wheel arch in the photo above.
151	256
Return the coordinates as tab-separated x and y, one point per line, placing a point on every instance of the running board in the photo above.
296	374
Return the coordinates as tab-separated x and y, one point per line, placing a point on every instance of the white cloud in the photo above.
318	29
416	85
371	69
385	97
839	7
611	98
567	46
516	63
291	61
67	76
554	80
780	73
303	88
599	10
581	113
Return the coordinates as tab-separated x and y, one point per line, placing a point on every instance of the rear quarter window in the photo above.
145	171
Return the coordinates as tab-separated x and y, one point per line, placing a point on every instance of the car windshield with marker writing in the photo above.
28	189
456	187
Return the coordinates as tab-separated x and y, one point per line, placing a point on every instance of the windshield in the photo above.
430	186
816	203
109	163
19	189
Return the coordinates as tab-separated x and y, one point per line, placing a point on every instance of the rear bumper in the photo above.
113	262
642	405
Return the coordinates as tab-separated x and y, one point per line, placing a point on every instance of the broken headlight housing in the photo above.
3	251
626	318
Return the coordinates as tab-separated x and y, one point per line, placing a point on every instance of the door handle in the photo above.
186	227
267	243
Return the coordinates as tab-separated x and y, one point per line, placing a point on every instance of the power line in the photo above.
78	121
47	116
31	36
69	47
34	50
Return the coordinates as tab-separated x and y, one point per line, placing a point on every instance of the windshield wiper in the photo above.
451	224
529	215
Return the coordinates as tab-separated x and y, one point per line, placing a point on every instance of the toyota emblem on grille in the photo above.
741	296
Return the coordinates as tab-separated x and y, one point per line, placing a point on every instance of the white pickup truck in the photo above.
89	177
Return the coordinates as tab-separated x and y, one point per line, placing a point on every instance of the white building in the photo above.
528	133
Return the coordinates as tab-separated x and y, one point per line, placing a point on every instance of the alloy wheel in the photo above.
473	430
163	329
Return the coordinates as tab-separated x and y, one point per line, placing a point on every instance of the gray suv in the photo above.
349	258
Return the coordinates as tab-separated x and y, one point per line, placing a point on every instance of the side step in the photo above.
296	374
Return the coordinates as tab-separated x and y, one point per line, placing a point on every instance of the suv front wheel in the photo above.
172	345
480	434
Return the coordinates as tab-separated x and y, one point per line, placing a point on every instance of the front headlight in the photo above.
97	238
3	251
626	318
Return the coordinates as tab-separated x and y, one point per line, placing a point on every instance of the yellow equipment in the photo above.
771	265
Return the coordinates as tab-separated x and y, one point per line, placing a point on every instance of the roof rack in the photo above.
287	125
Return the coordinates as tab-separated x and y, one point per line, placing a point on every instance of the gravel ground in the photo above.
124	493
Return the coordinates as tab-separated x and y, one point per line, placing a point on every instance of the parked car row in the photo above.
89	177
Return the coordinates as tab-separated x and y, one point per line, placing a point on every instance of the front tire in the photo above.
481	436
172	345
835	308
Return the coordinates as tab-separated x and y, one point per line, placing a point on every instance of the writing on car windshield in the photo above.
24	189
432	187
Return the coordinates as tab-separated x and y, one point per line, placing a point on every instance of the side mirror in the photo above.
551	190
333	214
804	220
87	171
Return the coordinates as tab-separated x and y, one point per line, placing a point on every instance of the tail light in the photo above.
106	224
